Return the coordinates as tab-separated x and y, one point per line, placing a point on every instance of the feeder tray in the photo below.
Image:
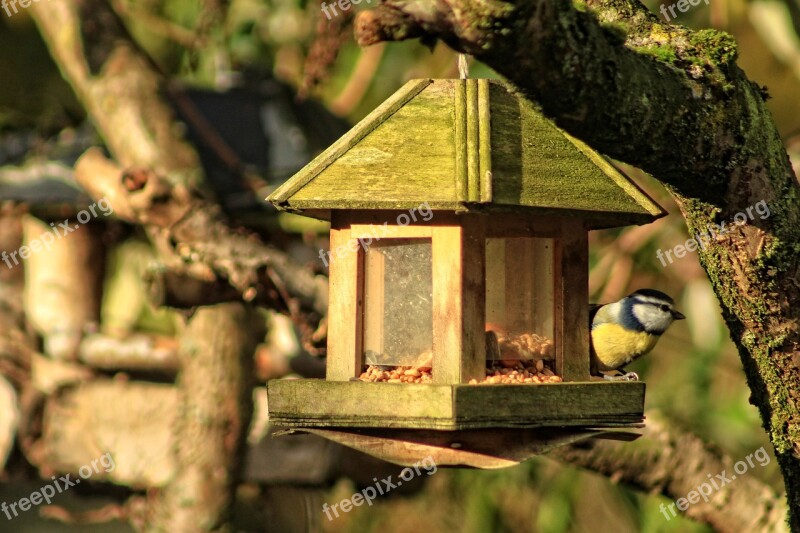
487	449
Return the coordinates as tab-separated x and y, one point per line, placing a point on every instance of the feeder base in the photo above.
477	448
320	404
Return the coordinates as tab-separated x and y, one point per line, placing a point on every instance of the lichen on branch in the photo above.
672	102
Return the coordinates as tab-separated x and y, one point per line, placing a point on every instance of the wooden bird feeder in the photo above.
458	250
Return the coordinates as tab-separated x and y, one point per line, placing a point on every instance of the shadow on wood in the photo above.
494	448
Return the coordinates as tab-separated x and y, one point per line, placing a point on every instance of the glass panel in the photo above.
398	303
519	299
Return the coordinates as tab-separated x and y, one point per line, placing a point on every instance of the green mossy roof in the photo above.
464	145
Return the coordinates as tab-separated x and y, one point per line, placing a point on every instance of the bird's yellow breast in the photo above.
616	346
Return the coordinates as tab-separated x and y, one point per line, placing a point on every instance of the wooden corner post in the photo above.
572	301
345	302
459	300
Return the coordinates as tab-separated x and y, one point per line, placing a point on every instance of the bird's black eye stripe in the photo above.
664	308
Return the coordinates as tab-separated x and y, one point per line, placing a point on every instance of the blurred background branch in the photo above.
672	462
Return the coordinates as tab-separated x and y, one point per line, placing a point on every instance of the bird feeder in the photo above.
459	275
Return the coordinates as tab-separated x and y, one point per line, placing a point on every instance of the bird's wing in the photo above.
593	309
601	314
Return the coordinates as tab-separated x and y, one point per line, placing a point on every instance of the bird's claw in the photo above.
630	376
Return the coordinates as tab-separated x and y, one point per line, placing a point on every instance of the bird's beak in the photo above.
677	315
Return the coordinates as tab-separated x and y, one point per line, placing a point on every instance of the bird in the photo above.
623	331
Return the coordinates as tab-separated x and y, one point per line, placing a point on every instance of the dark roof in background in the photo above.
271	133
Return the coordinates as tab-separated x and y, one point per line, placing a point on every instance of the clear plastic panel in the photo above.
519	299
398	303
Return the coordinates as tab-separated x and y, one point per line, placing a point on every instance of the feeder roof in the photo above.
465	146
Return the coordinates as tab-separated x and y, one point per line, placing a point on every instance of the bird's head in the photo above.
652	309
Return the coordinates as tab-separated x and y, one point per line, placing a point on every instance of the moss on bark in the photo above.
710	139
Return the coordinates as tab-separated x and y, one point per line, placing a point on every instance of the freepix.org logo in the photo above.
8	5
344	5
381	487
47	238
701	240
377	232
59	485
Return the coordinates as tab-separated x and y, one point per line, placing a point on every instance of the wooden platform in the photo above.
475	448
314	403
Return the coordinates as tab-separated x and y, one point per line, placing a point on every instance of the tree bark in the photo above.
156	177
214	408
17	342
132	421
119	88
607	71
672	462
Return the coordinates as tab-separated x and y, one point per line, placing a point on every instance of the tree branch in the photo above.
674	103
161	191
120	90
673	463
193	239
618	72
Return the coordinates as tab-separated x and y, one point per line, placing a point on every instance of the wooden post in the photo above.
372	322
459	298
572	301
346	301
215	403
543	286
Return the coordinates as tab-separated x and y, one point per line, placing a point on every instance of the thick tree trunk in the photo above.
214	407
607	71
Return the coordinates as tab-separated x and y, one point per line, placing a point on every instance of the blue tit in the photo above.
625	330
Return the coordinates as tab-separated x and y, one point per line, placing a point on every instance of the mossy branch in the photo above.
674	103
673	463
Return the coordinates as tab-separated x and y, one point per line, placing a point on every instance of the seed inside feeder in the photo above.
522	358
